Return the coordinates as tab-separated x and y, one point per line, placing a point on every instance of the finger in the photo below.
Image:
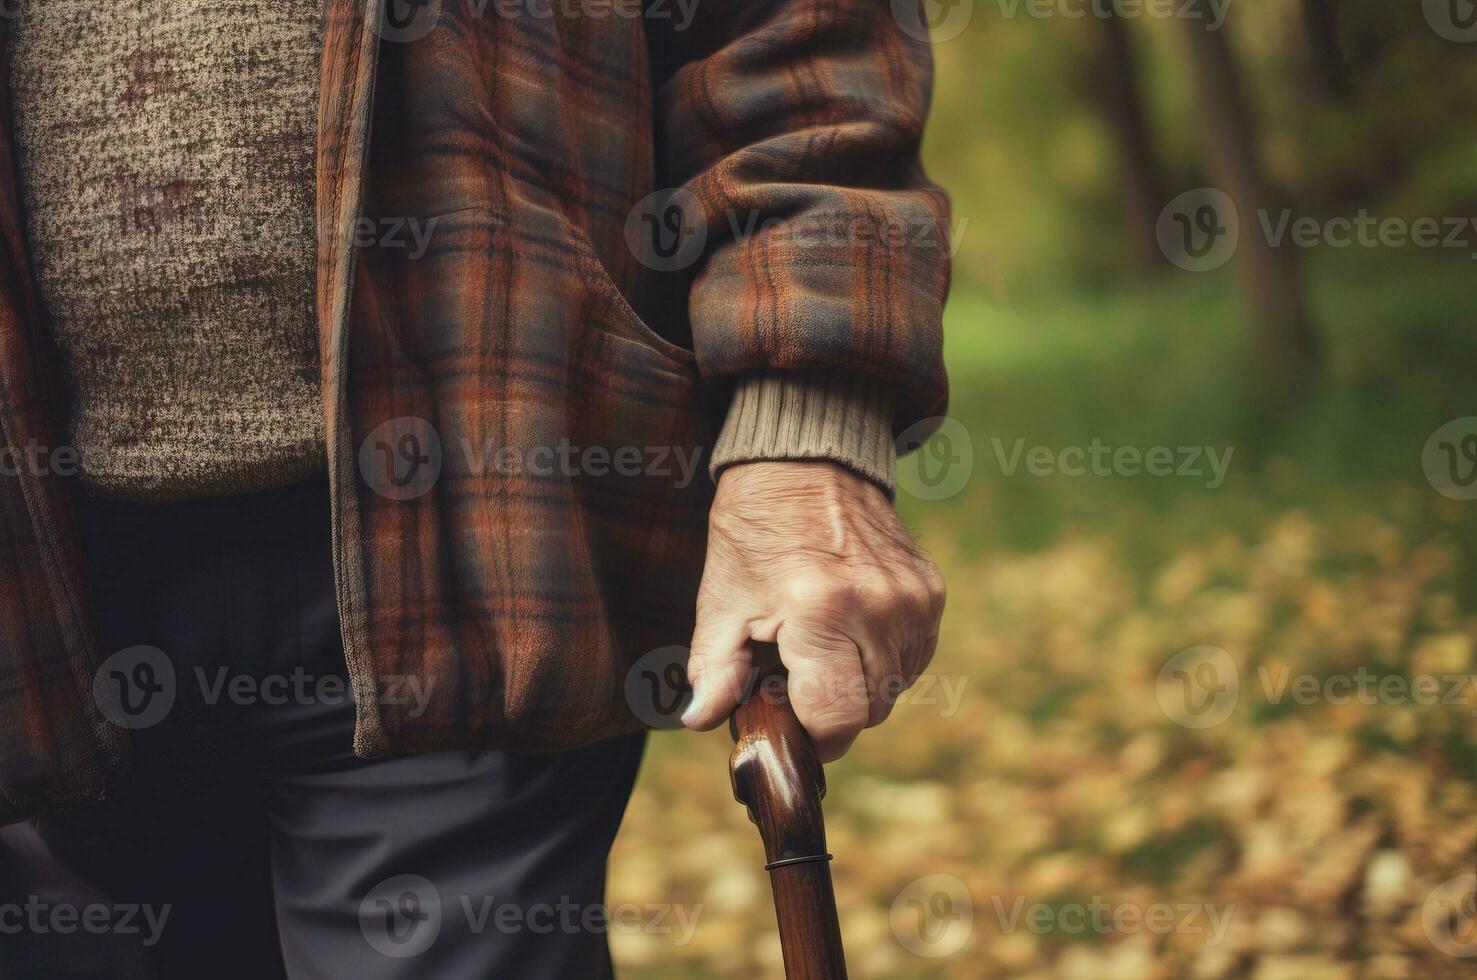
917	659
886	620
919	652
921	658
882	666
718	671
827	686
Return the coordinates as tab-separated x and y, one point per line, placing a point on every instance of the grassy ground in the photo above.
1046	774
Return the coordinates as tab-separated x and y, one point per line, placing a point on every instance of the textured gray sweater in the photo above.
166	165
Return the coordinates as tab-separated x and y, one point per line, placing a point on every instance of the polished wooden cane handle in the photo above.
778	777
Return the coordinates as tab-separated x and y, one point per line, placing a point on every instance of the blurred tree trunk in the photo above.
1284	344
1329	69
1116	84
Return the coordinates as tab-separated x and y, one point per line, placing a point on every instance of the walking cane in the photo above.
777	776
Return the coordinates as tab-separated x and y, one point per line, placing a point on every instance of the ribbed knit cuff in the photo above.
809	415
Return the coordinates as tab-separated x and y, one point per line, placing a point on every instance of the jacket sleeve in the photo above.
788	132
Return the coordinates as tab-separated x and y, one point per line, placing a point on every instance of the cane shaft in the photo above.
777	776
810	934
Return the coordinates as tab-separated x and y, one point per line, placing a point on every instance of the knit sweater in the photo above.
166	170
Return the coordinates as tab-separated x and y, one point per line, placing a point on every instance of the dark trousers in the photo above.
273	849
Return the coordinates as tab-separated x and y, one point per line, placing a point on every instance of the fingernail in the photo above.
694	708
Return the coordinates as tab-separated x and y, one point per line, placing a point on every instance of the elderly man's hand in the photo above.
812	557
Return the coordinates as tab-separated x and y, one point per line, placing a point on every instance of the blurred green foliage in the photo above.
1020	142
1149	367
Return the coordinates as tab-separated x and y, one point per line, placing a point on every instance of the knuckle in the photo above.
937	588
917	598
876	589
814	591
919	658
893	680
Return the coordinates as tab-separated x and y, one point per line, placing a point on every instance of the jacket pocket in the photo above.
622	318
645	507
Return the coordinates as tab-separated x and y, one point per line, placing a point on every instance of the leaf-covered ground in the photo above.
1304	837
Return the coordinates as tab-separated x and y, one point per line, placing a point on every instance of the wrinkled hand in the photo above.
812	557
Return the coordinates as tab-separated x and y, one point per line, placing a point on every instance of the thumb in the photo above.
718	671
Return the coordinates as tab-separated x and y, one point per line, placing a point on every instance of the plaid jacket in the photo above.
505	410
